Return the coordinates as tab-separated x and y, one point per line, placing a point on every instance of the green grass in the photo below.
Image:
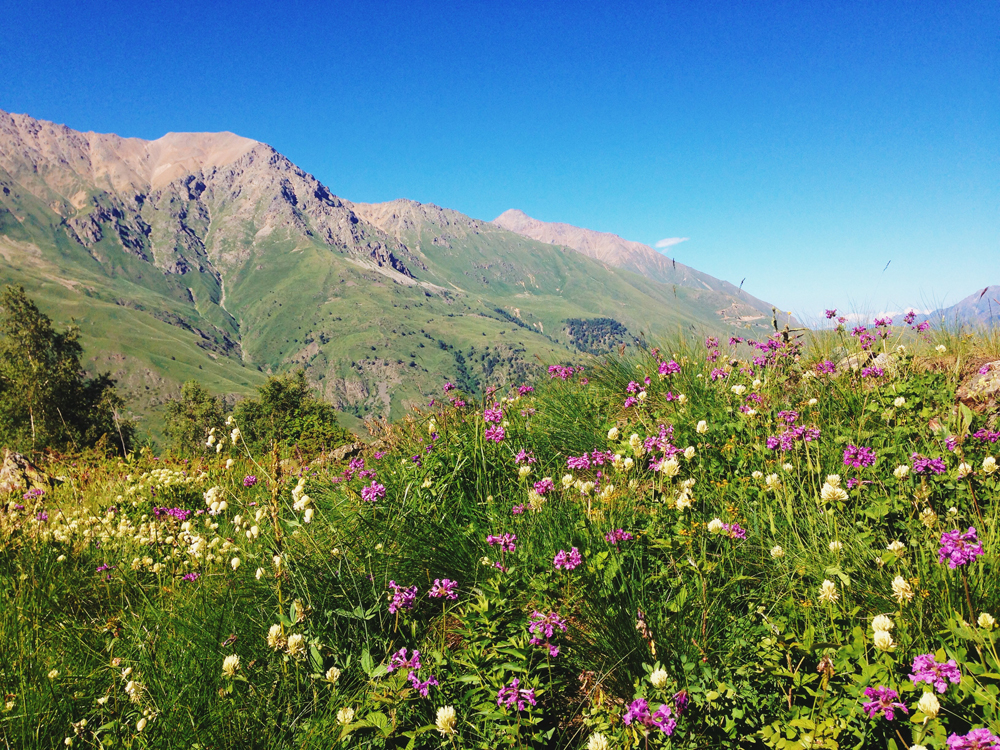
683	607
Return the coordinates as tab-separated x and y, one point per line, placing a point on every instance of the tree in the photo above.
192	416
285	411
46	400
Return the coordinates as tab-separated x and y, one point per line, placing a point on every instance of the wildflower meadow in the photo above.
786	543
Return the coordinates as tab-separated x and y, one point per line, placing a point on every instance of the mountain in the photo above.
621	253
982	307
212	256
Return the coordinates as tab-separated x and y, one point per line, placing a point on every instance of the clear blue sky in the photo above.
801	145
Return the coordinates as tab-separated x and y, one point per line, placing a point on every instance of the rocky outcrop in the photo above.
981	391
18	474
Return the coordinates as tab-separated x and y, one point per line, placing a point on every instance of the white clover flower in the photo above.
772	482
918	747
836	545
689	452
682	399
777	551
230	665
989	465
928	518
613	433
757	475
345	716
598	741
567	480
522	472
332	675
53	674
702	427
828	592
897	547
882	623
296	644
229	463
963	470
684	501
757	383
832	493
715	526
833	480
899	402
901	471
670	467
940	348
986	621
307	517
659	678
901	590
234	563
627	463
812	401
929	705
788	468
883	641
641	396
274	638
952	511
445	721
739	390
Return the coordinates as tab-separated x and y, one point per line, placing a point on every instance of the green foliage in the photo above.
284	411
46	401
190	419
598	335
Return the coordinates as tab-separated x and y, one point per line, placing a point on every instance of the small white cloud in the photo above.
671	241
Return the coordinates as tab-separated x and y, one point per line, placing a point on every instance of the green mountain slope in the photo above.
212	256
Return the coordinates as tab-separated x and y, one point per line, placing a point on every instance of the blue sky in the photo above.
801	146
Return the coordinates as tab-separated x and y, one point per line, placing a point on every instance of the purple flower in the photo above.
711	342
422	687
858	456
495	433
872	372
42	516
826	366
517	509
984	369
922	465
513	695
493	414
951	442
680	701
618	535
400	660
831	314
524	457
543	628
921	327
192	576
883	701
104	567
524	390
445	589
910	317
561	372
958	548
379	455
449	387
926	668
506	542
33	493
669	368
718	374
638	712
402	598
630	401
567	560
372	492
987	435
977	739
543	486
734	530
578	462
249	480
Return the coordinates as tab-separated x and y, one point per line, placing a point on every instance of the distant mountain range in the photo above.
212	256
982	308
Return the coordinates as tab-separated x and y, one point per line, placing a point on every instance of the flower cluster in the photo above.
444	589
504	541
858	456
402	598
923	465
542	629
882	700
959	549
567	560
639	713
927	669
618	535
514	696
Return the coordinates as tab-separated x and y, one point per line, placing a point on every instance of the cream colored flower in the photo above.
777	551
274	637
522	472
883	640
682	399
989	465
901	590
141	724
812	401
598	741
828	592
53	674
702	427
229	463
929	705
833	480
659	678
832	493
882	623
836	545
230	665
296	644
332	675
901	471
739	390
986	621
259	573
772	482
715	525
787	468
445	721
963	470
689	452
670	467
928	518
613	433
757	475
345	716
940	348
234	563
900	401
